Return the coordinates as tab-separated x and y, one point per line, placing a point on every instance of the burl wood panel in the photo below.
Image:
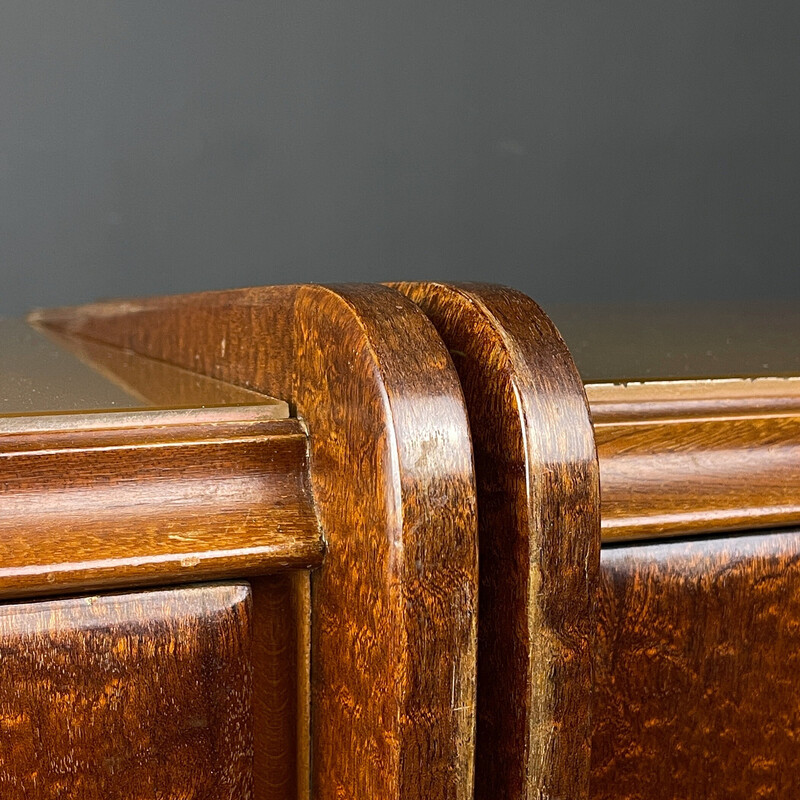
394	604
98	506
537	481
142	695
701	471
697	684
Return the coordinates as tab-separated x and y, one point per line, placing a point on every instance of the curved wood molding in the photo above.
679	471
537	477
394	605
135	498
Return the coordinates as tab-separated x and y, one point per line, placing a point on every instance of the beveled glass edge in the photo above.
114	419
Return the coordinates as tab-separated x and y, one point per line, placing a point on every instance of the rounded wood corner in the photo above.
538	502
394	616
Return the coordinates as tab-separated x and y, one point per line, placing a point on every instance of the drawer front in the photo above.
696	670
144	695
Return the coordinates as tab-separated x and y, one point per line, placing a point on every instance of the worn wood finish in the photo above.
135	695
723	470
698	654
394	622
279	602
537	480
101	506
698	399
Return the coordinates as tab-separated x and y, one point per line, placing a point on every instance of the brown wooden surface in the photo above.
394	617
696	412
279	602
537	480
280	686
98	507
698	470
697	664
139	695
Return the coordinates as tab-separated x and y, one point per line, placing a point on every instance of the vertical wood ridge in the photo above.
538	501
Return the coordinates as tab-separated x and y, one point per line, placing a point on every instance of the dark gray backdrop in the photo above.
586	151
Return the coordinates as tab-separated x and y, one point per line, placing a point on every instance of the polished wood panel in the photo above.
725	470
697	663
135	695
394	622
537	480
170	499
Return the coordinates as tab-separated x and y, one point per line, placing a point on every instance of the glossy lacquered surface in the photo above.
696	670
699	472
674	678
538	500
393	607
134	695
101	506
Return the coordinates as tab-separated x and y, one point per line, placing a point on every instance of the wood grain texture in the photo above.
103	506
393	607
281	652
537	480
727	469
138	695
698	656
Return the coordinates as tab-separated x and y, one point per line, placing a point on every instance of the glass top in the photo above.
641	343
44	373
37	376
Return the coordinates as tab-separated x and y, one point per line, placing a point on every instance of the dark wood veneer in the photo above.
133	695
393	607
697	664
537	481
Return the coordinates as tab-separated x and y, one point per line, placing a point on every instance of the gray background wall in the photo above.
583	151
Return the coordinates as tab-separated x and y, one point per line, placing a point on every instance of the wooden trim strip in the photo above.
101	507
209	420
687	475
729	397
537	483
